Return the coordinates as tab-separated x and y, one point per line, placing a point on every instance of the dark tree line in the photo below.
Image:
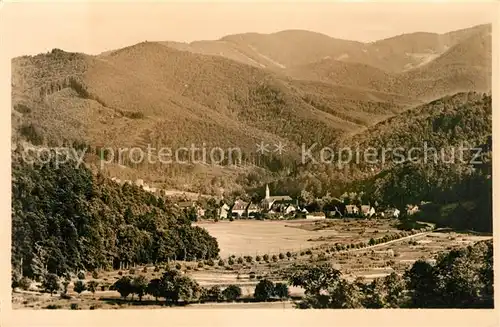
65	219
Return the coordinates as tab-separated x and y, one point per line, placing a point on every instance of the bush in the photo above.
215	294
240	260
65	296
281	290
74	306
232	292
131	271
24	283
123	286
145	269
95	274
249	259
120	273
178	266
81	275
92	286
157	269
257	258
80	286
230	261
308	252
200	264
51	283
274	258
266	257
53	306
281	256
289	254
210	262
264	290
251	275
221	263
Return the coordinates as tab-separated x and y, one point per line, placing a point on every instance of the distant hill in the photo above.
294	87
290	48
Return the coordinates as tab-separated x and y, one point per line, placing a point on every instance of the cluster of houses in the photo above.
282	206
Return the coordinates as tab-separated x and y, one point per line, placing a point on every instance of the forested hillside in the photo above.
66	218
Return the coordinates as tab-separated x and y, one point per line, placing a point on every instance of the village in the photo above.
275	207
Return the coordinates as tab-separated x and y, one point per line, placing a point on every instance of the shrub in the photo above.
81	275
200	264
53	306
232	292
308	252
259	277
215	294
131	271
257	258
65	296
302	253
95	274
24	283
145	269
123	286
249	259
210	262
92	286
178	266
120	273
251	275
230	261
157	269
221	263
51	283
289	254
266	257
74	306
32	133
80	286
65	284
22	108
281	290
240	260
281	256
264	290
274	258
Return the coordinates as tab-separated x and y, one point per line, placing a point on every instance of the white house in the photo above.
411	209
240	207
392	213
223	211
367	210
351	209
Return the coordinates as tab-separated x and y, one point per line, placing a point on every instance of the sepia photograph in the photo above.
286	156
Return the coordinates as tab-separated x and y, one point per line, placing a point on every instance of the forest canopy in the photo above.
65	219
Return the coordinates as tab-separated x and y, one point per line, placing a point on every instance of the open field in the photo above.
261	237
250	237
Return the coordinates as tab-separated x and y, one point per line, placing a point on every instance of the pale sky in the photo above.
96	27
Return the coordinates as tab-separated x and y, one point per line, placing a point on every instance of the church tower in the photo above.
268	195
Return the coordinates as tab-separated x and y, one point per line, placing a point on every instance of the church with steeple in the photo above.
269	200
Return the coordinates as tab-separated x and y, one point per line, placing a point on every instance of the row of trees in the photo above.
460	279
65	219
173	287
